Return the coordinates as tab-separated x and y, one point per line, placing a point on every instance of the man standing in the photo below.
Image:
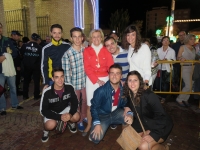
15	37
58	102
108	105
72	64
7	48
177	67
119	55
52	53
31	53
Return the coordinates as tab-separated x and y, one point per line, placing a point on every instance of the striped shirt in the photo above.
122	60
72	64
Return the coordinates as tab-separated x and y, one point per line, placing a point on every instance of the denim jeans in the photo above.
13	95
115	117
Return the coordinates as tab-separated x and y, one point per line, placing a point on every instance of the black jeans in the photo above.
29	72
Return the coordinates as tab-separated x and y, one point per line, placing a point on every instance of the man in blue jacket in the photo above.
6	46
107	105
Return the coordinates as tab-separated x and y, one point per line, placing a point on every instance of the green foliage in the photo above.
119	21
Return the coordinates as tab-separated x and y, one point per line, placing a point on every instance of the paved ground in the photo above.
22	130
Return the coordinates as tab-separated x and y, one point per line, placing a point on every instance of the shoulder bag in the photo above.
129	138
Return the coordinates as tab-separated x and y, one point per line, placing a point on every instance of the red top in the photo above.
91	63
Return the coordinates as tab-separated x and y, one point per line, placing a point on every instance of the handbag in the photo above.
129	139
61	125
2	90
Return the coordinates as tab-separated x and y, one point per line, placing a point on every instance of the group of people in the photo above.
93	85
103	84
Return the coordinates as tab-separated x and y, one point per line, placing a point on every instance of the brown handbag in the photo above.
129	138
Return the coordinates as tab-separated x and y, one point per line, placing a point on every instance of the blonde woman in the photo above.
97	61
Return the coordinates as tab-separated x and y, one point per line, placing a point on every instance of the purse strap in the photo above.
137	114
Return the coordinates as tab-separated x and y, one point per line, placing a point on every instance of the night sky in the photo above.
137	9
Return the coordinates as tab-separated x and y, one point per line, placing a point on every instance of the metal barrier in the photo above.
43	26
170	86
16	20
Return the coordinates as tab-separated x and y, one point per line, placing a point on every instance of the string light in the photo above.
190	20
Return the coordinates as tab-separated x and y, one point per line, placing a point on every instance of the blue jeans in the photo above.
115	117
13	95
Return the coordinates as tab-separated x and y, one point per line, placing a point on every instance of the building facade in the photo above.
29	16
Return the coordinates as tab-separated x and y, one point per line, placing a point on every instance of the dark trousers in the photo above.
18	76
162	83
30	71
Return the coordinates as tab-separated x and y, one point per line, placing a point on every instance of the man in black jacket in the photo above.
15	37
31	53
59	102
52	53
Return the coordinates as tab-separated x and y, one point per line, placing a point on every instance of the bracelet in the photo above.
130	113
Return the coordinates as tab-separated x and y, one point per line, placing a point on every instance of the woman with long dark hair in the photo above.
139	55
156	122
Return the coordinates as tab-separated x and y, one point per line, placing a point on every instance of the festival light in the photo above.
79	13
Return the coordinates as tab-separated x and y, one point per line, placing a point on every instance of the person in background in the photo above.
97	61
58	102
115	35
164	53
15	37
139	54
154	59
177	68
25	39
108	105
20	43
7	49
186	52
147	41
72	64
31	53
157	123
48	39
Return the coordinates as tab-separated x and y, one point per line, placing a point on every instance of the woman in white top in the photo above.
139	55
165	53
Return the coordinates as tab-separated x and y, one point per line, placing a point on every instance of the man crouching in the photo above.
58	102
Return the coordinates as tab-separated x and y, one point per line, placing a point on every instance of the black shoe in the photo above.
113	126
38	97
45	137
18	107
3	112
25	97
72	127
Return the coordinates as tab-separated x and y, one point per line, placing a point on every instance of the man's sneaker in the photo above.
72	127
81	127
45	136
18	107
113	126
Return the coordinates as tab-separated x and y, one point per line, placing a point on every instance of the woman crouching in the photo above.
156	122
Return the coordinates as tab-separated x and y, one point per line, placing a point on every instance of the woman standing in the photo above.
139	55
164	53
156	122
186	52
97	61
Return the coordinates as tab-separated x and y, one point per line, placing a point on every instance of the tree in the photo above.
119	21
